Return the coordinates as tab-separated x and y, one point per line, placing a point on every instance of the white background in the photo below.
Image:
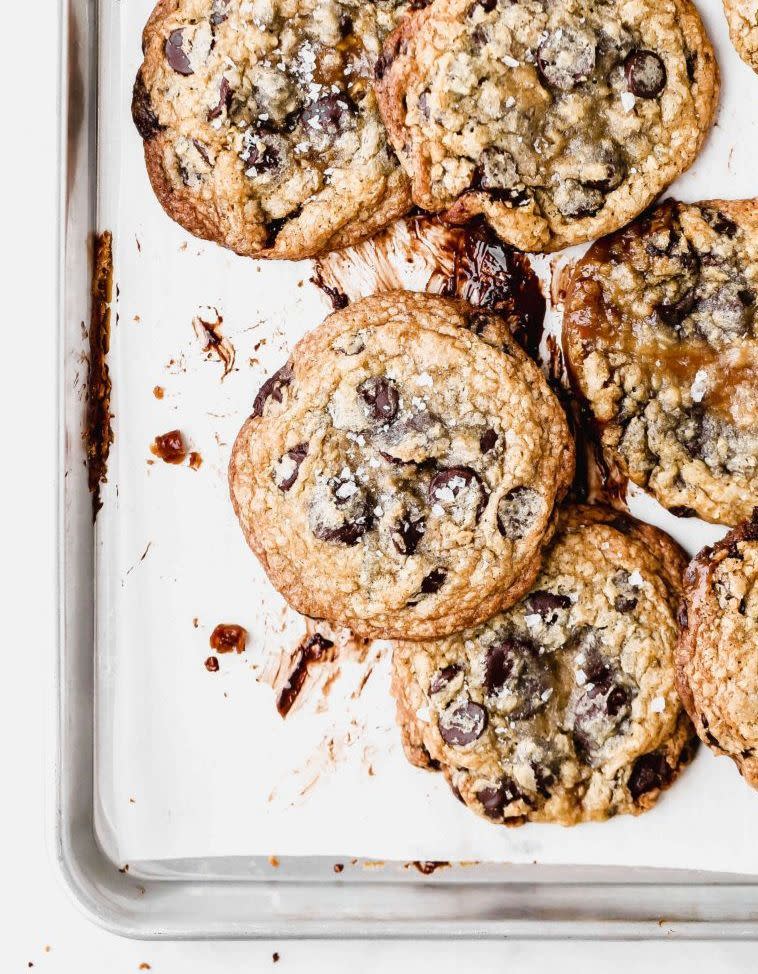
35	912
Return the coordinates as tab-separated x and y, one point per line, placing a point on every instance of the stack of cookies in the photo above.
407	472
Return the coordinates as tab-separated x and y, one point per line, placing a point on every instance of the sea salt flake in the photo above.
699	385
636	580
546	694
511	62
346	490
581	678
374	463
438	510
423	714
533	620
657	705
628	101
425	379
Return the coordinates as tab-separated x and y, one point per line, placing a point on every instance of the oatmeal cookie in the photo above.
398	475
742	17
717	656
260	122
558	121
563	708
661	337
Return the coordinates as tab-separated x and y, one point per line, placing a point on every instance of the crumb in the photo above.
132	801
136	319
144	966
273	861
338	867
124	868
196	622
158	392
195	460
275	957
211	664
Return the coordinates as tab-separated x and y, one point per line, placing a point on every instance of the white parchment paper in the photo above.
197	764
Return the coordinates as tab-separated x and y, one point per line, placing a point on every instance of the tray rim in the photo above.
163	908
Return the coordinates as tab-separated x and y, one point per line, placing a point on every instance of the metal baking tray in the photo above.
238	895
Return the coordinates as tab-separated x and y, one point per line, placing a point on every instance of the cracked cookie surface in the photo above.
563	708
399	474
742	17
717	656
260	122
661	335
559	121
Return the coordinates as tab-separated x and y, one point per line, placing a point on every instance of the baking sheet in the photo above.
192	764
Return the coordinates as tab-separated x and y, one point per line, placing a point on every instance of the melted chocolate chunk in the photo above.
463	723
444	677
311	650
673	313
330	113
547	604
719	222
407	533
176	55
434	581
289	470
261	158
224	100
645	73
650	771
487	440
143	115
517	512
381	396
272	388
566	58
461	487
228	637
513	665
170	447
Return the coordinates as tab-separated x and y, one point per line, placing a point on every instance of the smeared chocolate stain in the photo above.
169	447
338	298
426	868
228	637
313	649
98	431
422	253
215	343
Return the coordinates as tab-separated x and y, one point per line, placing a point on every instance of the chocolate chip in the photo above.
407	533
477	322
175	53
690	60
434	581
456	487
495	799
346	25
329	113
544	779
645	73
566	58
513	664
393	46
624	603
275	227
487	6
348	533
517	511
650	771
463	723
487	440
272	388
682	616
575	199
381	395
546	604
291	470
596	714
143	115
673	313
224	99
260	158
444	677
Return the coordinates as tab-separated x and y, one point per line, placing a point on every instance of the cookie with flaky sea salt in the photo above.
558	120
742	17
260	122
661	335
564	707
399	474
717	657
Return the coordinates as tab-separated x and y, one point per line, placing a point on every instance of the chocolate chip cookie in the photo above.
261	126
398	475
559	120
717	656
661	336
742	17
563	708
